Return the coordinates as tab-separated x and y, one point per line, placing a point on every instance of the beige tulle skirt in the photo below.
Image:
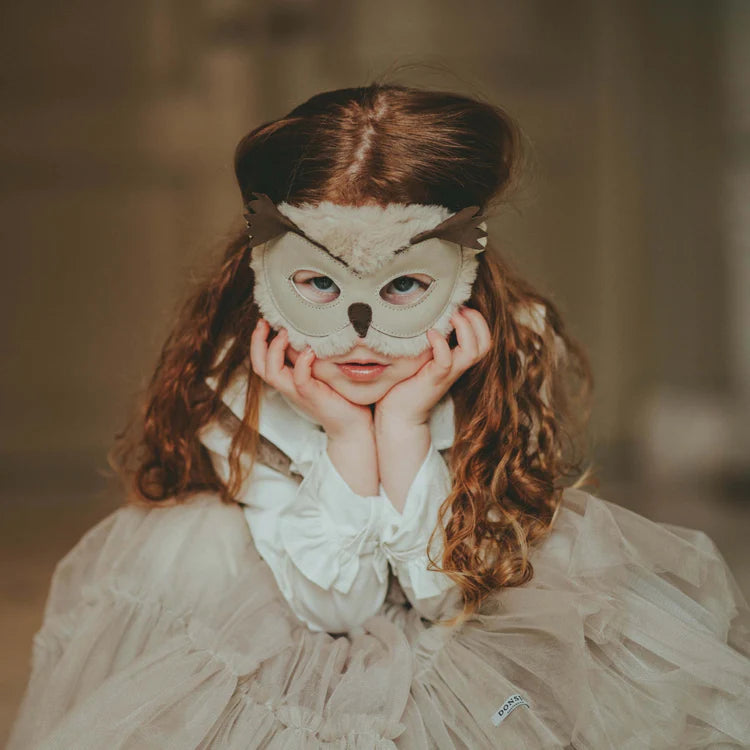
165	629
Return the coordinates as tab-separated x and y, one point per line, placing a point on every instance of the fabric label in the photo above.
511	702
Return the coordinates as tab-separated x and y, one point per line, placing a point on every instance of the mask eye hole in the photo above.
405	290
315	287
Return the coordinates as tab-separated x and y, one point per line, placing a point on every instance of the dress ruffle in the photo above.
165	629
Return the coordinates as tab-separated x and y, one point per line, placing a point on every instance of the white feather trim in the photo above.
365	237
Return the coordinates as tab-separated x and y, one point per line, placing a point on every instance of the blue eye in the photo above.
319	289
404	290
404	284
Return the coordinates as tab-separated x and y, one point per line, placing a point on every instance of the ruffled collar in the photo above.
300	436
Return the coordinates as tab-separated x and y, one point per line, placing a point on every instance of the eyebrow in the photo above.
322	247
408	246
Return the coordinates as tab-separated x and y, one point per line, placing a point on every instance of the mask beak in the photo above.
360	316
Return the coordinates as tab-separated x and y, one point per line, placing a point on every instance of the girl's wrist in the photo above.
353	454
399	429
401	448
351	430
396	424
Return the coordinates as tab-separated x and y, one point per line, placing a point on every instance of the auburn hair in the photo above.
518	412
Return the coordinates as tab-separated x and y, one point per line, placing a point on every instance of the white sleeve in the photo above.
318	537
330	537
405	541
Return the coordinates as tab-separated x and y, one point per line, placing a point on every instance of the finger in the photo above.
258	347
277	373
441	352
467	348
302	372
481	330
276	350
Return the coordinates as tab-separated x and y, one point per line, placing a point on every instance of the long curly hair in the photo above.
519	412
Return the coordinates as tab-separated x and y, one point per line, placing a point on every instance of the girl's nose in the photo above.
360	315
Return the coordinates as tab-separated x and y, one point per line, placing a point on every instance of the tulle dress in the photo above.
212	625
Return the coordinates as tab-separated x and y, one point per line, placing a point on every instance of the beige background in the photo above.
119	124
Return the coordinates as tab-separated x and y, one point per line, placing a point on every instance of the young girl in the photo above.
357	517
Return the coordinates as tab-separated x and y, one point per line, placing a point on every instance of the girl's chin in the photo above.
362	393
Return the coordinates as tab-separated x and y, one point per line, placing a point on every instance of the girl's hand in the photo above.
409	402
333	412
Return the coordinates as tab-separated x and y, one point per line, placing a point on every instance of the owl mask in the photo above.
336	275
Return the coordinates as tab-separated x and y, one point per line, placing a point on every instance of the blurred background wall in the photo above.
120	121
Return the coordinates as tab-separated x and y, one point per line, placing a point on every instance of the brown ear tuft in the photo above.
265	221
462	228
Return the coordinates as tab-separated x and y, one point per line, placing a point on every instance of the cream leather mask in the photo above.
336	276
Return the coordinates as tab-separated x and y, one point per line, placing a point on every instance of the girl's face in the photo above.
361	375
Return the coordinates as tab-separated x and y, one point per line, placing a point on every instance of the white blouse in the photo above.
329	548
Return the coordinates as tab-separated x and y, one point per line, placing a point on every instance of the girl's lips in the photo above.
361	372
